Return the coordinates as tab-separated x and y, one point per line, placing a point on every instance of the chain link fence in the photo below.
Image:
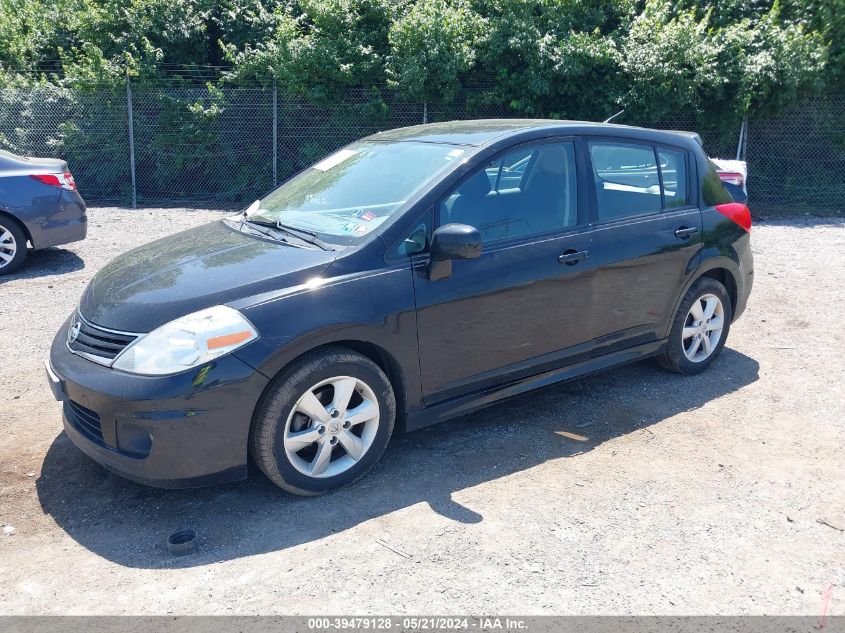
207	145
796	160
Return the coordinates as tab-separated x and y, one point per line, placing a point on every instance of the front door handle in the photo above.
683	232
572	257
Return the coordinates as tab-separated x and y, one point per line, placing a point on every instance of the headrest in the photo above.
477	186
551	159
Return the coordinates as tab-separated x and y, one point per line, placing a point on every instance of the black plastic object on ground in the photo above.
182	542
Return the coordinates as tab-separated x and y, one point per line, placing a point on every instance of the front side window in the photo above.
507	172
626	178
349	194
528	191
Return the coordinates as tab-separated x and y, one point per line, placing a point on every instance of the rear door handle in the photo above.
572	257
683	232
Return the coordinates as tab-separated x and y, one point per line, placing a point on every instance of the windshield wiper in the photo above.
301	234
306	236
273	235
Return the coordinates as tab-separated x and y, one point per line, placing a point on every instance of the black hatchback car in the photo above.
411	277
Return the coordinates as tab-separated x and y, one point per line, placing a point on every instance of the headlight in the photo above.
186	342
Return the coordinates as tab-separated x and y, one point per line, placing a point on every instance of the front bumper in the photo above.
179	431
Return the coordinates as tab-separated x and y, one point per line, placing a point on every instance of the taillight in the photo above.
733	177
737	212
62	181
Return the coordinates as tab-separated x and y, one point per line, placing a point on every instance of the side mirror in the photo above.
455	241
452	241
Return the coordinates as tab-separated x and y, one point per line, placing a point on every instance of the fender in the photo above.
718	252
344	308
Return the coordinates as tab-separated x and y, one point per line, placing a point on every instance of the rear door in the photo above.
647	238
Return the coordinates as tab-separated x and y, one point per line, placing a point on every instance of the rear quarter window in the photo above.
713	191
673	170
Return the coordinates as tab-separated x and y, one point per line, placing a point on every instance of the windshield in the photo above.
350	193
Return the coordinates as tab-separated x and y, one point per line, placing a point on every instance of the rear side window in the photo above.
626	178
673	169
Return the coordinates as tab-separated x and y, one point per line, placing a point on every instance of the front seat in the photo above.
471	204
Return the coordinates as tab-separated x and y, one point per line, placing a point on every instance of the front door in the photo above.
525	303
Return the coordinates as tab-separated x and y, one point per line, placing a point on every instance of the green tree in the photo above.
432	45
827	18
320	46
669	61
771	62
677	59
554	57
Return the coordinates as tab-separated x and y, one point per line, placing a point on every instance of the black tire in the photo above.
673	358
277	402
19	237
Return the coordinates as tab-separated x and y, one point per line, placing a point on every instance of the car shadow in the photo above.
50	261
128	523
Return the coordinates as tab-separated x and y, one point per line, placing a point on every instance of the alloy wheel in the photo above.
331	427
703	327
8	246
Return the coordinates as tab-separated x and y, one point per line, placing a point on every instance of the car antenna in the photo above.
610	118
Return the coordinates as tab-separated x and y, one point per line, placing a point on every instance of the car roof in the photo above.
475	132
482	132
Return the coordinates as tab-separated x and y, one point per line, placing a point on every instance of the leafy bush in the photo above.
345	68
432	46
574	58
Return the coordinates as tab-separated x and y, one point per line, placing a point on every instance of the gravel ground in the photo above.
633	491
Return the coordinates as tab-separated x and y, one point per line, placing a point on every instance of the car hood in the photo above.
198	268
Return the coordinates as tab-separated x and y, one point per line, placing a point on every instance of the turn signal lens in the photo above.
227	340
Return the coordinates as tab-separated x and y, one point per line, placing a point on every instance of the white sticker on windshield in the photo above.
335	159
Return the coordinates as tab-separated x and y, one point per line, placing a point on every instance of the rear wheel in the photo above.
324	422
12	246
700	328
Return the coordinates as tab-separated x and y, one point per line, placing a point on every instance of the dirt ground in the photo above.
722	493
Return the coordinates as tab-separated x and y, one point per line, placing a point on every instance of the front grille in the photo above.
84	420
97	343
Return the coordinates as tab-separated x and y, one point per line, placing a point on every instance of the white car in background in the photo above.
734	173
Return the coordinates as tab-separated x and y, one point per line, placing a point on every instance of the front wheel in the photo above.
700	328
324	422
